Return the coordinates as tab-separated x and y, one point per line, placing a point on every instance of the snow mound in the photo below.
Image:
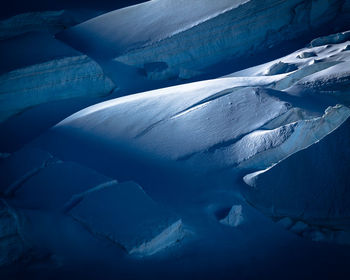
125	215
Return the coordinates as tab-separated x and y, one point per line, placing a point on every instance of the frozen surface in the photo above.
124	214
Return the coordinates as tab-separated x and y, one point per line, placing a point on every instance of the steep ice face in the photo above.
58	79
36	68
165	34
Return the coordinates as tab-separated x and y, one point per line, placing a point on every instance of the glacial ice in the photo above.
63	78
36	68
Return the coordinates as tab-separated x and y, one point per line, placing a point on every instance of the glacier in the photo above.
176	140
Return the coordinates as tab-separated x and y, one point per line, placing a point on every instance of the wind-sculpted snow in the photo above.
262	148
177	122
186	44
